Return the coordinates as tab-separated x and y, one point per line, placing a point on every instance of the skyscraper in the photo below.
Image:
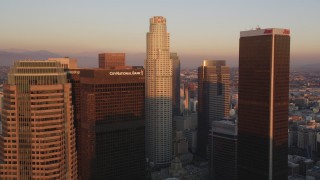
73	75
112	134
213	99
175	83
223	150
158	94
108	60
38	140
264	57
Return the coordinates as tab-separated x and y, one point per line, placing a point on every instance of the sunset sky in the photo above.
198	28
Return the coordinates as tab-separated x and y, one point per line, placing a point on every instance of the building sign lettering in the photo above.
126	73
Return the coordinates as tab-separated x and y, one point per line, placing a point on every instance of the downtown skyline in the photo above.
124	126
88	28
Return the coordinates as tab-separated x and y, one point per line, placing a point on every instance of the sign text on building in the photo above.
126	73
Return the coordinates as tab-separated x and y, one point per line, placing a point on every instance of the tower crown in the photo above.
158	20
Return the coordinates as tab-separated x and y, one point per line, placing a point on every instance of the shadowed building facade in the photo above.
213	99
223	150
264	57
175	84
112	134
38	140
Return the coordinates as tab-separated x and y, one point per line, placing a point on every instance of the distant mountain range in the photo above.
90	59
308	68
7	58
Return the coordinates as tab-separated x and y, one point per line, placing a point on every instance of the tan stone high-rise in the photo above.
38	139
158	104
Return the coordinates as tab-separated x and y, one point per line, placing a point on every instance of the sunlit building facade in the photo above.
73	75
38	140
108	60
158	67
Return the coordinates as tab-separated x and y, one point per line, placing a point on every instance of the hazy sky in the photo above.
198	28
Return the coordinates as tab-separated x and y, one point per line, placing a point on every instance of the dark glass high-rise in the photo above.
264	57
112	131
214	99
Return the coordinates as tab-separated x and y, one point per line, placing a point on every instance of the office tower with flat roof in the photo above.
223	150
38	140
66	62
264	57
108	60
112	134
158	66
175	83
213	98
